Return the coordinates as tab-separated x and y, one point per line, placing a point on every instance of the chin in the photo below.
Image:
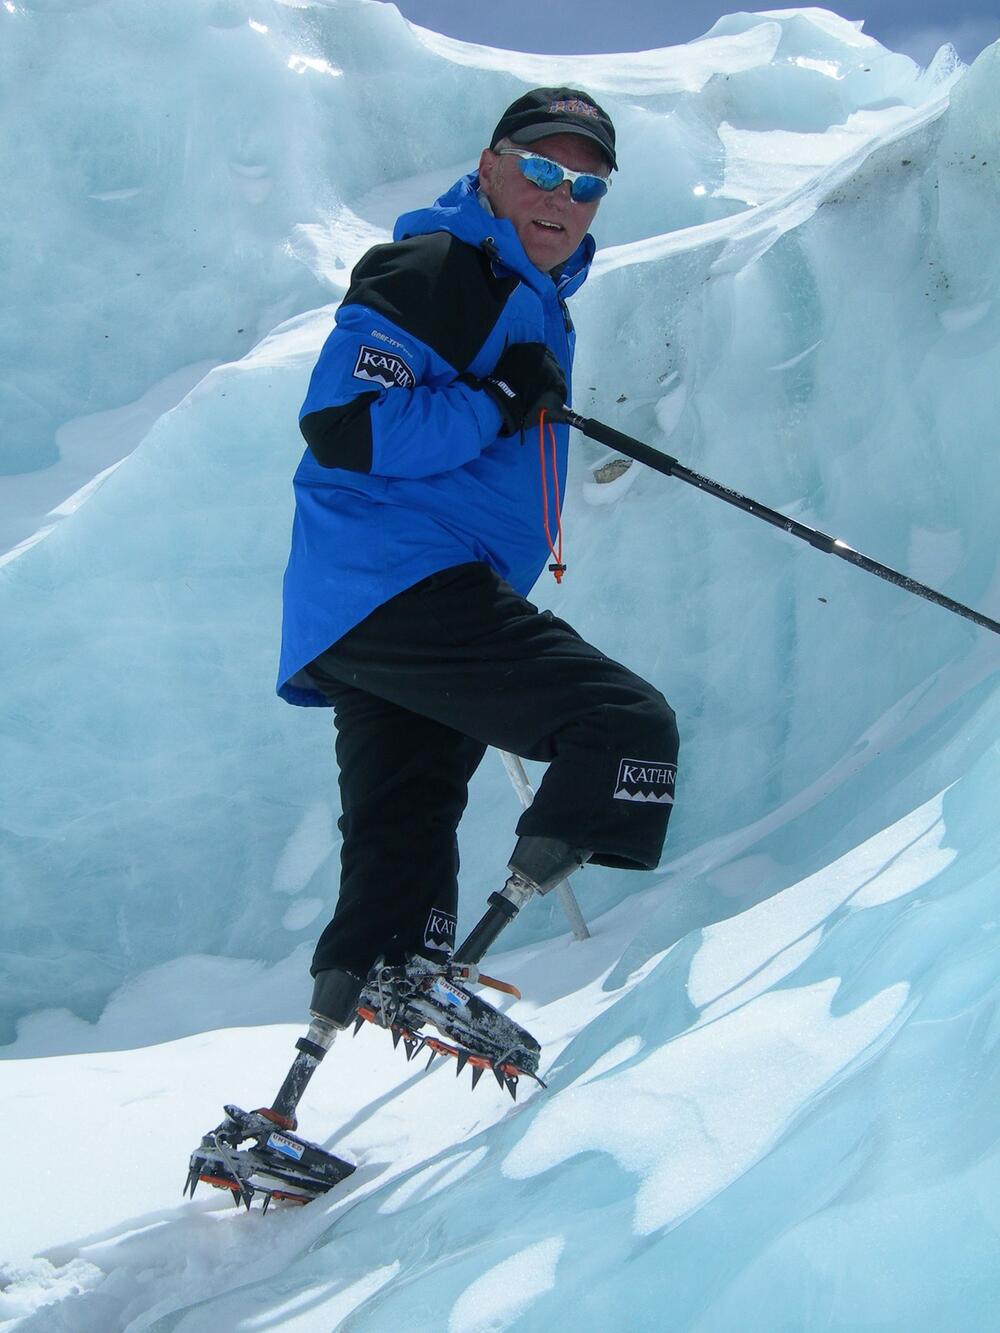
548	258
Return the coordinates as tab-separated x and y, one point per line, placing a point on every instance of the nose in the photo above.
562	193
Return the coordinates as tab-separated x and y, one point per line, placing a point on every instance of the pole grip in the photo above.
614	439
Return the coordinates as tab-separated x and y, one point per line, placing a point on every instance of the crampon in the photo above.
404	999
277	1166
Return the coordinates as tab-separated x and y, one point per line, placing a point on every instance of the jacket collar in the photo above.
459	211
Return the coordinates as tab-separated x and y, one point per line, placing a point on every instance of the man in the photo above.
423	517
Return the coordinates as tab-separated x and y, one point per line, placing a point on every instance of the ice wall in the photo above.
773	1091
828	348
162	159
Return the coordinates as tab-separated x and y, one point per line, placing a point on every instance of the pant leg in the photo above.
464	649
404	785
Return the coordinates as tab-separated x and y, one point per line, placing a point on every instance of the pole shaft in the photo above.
670	467
567	898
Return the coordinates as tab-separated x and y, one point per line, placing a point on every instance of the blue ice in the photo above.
774	1081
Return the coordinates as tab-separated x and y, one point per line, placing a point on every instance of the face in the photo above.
548	223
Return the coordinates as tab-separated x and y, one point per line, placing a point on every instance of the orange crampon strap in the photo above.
463	972
557	568
504	986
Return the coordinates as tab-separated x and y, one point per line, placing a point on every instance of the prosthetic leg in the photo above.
404	999
537	866
408	997
255	1153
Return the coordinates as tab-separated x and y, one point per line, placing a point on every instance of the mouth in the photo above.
548	226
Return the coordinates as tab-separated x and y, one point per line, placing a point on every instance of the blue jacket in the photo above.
405	473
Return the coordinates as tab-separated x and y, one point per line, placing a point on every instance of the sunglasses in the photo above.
584	186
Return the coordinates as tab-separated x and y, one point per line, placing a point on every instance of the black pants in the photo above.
420	688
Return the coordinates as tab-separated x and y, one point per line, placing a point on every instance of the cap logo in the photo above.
574	106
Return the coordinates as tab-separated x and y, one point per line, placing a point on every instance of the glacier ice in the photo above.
774	1081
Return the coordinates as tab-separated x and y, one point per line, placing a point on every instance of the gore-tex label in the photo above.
287	1146
645	780
384	338
378	366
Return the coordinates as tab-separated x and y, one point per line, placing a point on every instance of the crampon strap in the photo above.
504	986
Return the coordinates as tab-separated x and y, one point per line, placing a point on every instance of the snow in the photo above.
772	1074
495	1300
703	1108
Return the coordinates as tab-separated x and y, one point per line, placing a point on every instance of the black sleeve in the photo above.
342	436
436	287
439	290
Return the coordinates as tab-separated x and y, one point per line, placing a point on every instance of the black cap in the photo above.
546	111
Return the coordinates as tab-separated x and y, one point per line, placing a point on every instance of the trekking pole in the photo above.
670	467
566	896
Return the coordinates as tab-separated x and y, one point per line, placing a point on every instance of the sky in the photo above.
916	27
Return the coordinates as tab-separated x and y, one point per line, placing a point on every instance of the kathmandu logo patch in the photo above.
378	366
574	106
439	933
645	780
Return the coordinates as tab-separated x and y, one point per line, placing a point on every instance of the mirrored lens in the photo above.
541	172
585	189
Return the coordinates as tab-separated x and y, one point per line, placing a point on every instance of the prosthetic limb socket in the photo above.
537	865
334	999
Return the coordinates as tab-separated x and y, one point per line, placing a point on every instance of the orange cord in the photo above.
558	569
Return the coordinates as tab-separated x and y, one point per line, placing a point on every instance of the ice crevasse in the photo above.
774	1071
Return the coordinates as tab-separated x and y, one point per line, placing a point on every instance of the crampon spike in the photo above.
405	1003
359	1023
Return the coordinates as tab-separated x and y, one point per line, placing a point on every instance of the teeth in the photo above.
553	226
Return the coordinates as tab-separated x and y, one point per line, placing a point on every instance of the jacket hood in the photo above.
459	211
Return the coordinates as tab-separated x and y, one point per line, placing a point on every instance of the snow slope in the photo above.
773	1072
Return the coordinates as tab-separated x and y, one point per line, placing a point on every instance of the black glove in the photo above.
526	379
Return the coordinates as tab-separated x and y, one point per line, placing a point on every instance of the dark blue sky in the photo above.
916	27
